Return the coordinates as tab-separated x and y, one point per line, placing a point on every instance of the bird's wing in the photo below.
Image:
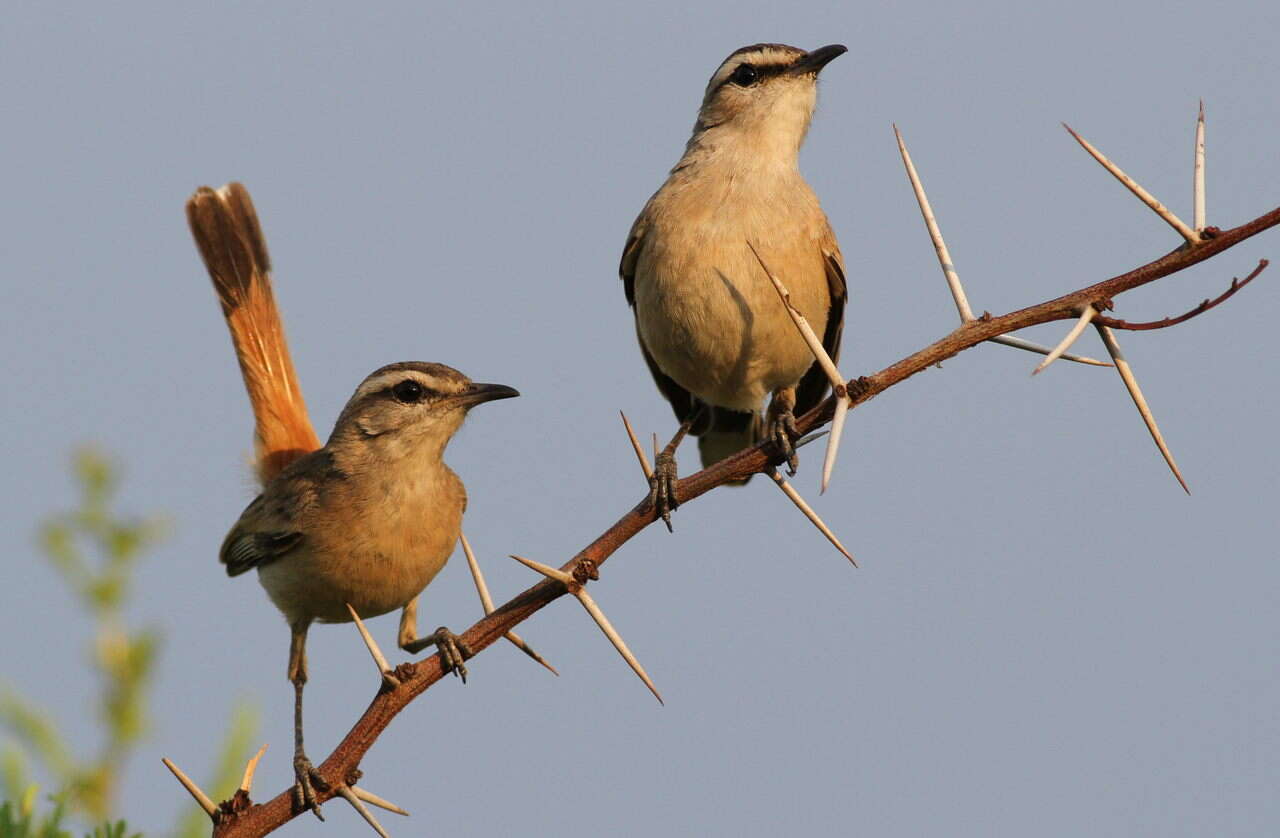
244	549
682	401
274	524
813	386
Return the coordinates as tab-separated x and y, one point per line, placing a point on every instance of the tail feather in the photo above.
229	238
730	432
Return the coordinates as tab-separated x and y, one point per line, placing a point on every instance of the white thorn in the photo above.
931	223
1019	343
246	782
486	602
350	796
370	797
1146	197
1085	318
477	576
833	444
806	331
635	443
384	669
519	642
616	639
789	491
811	437
1198	214
1131	383
547	571
201	798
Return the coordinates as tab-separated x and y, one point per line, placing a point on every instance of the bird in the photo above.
367	520
711	328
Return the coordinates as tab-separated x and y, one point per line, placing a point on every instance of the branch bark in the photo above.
416	678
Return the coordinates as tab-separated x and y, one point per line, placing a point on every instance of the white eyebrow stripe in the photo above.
764	55
385	380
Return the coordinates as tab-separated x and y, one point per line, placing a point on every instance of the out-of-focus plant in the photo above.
95	550
21	821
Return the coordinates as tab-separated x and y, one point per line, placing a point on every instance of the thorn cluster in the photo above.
577	587
1089	314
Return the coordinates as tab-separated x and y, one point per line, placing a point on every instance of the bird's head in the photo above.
412	407
764	94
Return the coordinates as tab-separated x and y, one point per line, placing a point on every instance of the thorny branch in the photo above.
1236	285
416	678
239	817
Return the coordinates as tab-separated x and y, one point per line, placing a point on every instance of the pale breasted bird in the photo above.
712	329
367	520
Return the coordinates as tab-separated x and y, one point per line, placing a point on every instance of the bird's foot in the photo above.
781	431
452	650
662	486
304	790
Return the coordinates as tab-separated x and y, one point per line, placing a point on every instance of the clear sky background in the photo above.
1046	636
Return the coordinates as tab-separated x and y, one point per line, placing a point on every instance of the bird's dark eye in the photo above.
744	76
409	391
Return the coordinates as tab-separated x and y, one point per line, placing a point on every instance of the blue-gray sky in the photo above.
1046	635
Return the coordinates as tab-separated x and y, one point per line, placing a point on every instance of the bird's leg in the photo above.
452	650
662	486
780	426
304	794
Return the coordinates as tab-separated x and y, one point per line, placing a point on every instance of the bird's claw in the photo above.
662	486
304	792
452	652
783	433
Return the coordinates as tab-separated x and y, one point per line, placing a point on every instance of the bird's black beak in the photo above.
811	63
478	393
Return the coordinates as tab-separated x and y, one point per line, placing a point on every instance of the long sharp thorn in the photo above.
948	267
1019	343
373	799
833	444
1143	195
1085	317
246	783
546	570
931	223
351	797
1131	383
616	639
208	805
806	331
635	443
1197	191
520	644
477	576
384	669
789	491
486	602
811	437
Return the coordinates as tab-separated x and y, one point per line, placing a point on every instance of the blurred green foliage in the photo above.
95	551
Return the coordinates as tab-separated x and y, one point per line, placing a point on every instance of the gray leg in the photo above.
662	486
304	795
780	425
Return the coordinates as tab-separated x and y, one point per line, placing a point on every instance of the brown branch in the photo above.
416	678
1236	285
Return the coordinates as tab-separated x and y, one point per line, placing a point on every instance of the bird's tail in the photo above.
230	241
730	432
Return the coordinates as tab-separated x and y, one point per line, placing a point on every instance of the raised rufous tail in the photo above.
230	241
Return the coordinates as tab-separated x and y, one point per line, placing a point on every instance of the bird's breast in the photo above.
400	531
708	313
